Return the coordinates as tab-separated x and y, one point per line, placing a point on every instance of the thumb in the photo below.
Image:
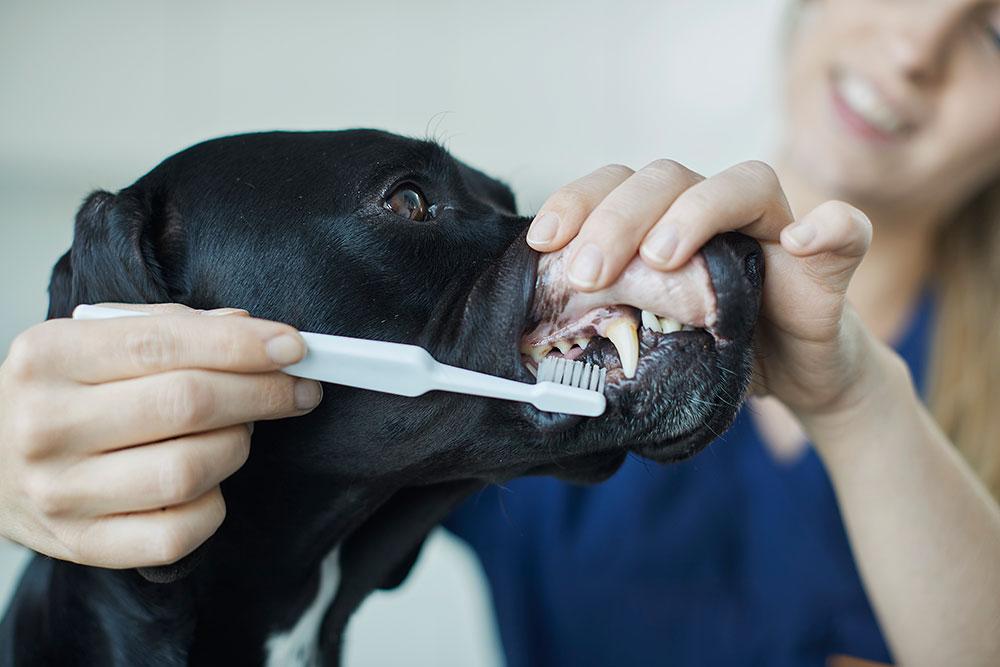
174	309
832	239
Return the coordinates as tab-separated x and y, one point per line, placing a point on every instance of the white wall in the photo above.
93	94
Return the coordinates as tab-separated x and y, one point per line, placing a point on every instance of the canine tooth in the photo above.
626	340
687	327
582	342
669	325
650	321
564	346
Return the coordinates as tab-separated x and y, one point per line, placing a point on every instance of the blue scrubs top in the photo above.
729	558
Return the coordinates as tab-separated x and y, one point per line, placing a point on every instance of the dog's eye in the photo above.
408	201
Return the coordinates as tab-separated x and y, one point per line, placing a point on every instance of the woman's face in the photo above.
896	102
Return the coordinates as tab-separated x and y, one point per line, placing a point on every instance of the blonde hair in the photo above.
965	357
965	352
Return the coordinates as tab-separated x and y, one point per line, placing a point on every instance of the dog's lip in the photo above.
544	422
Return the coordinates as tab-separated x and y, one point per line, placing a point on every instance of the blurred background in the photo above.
94	94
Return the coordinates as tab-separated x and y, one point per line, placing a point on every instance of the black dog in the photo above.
365	234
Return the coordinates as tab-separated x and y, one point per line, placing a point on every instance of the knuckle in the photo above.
187	401
231	342
761	171
169	543
45	494
152	348
616	170
180	477
836	210
278	394
30	431
571	202
666	170
25	356
848	221
217	509
606	217
241	446
693	207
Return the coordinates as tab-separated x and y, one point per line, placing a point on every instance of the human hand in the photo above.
813	353
115	434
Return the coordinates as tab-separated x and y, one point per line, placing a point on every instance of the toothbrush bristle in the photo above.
572	373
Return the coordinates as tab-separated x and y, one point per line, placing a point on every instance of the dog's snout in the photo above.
753	267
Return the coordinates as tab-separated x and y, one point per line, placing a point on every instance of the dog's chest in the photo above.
299	645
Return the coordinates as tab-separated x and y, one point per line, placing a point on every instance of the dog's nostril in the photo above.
753	265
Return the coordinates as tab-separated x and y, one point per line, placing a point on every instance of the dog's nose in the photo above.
753	266
750	257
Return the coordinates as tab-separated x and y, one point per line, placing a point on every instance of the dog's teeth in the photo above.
687	327
669	325
536	353
564	346
626	340
582	342
650	321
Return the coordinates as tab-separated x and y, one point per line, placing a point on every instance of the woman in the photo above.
739	556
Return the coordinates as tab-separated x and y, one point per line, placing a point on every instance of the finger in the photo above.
174	309
832	227
833	239
154	308
96	351
167	405
747	197
611	234
148	477
563	213
158	537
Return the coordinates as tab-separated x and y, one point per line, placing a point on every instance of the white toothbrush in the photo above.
570	387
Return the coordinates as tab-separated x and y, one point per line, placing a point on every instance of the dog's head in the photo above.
366	234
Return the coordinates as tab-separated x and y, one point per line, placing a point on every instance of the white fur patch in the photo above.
299	646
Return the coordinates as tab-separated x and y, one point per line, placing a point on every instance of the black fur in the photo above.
292	227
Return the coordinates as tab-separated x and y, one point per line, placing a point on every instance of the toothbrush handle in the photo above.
389	367
393	368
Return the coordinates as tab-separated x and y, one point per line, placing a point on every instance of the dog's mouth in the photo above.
675	345
627	329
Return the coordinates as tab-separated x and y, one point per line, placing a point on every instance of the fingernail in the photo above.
217	312
543	229
801	234
661	245
308	394
285	349
586	266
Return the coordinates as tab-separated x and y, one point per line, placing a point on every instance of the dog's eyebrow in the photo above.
428	153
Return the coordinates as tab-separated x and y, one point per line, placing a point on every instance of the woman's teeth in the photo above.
866	101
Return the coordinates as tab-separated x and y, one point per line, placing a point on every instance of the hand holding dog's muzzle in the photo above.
811	347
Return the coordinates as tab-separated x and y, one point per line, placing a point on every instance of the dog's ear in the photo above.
127	248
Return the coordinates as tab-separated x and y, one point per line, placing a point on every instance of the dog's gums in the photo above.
565	321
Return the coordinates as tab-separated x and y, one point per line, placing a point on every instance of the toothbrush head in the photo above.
572	373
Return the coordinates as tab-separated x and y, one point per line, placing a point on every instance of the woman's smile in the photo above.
865	111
